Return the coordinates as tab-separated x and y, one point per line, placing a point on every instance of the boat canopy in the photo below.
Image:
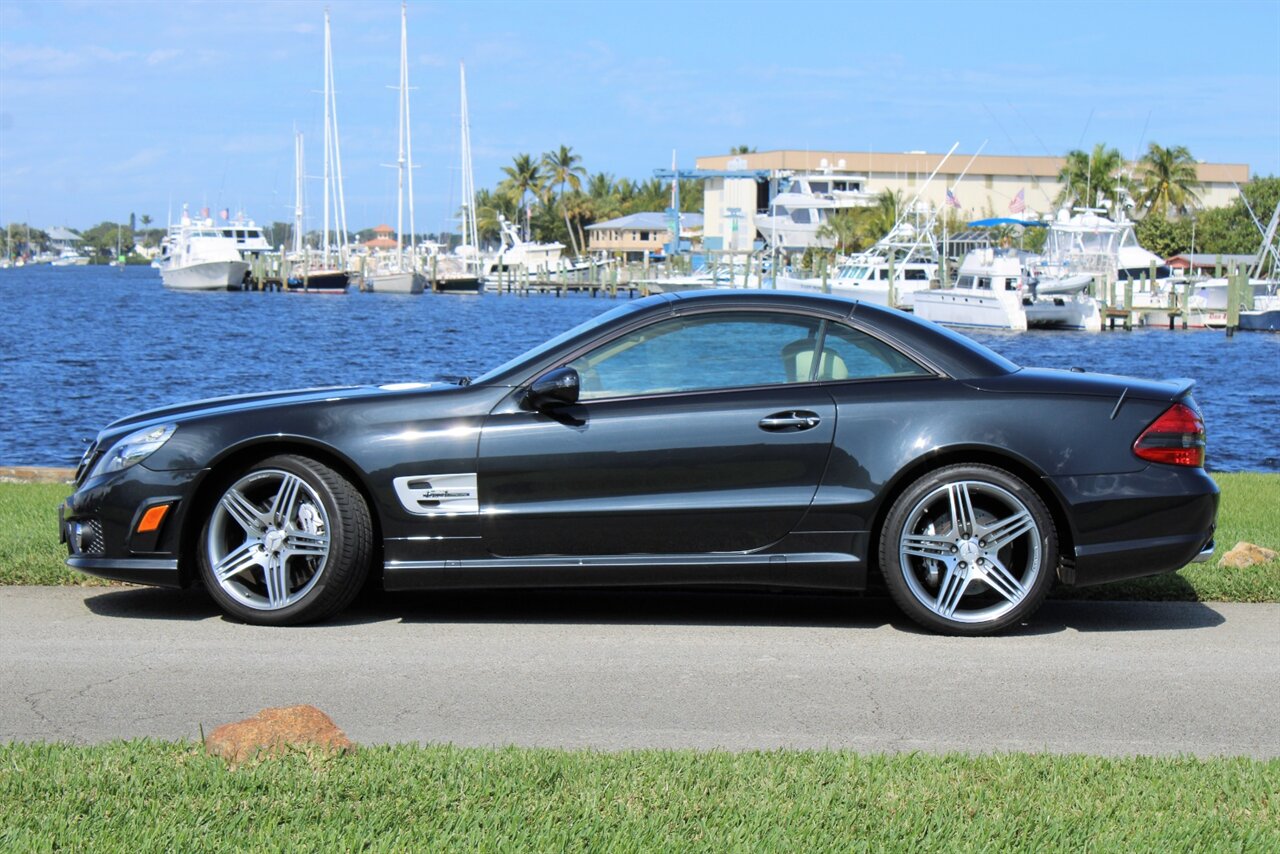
1004	220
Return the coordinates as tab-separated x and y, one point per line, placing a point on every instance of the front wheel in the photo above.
968	550
289	541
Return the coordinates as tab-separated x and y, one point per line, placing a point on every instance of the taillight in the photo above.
1176	438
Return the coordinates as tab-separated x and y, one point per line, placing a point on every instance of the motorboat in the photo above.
69	257
804	203
195	256
995	289
516	252
909	250
1086	242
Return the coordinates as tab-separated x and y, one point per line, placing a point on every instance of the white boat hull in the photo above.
904	294
1007	310
395	283
210	276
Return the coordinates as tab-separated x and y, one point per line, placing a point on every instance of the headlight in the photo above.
133	448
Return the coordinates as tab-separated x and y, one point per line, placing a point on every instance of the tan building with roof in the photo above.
988	188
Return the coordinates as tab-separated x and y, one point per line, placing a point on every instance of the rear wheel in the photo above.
288	541
968	550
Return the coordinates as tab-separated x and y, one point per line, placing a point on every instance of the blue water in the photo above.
80	347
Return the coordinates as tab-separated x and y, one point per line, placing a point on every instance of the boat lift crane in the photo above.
677	175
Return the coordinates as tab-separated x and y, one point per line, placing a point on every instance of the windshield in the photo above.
548	346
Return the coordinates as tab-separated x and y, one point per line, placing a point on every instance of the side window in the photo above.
728	350
850	354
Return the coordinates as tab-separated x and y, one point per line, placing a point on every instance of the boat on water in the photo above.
394	273
463	270
1265	314
69	257
518	253
1088	242
324	271
195	256
907	257
995	289
804	203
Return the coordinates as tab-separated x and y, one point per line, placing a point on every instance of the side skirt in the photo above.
820	570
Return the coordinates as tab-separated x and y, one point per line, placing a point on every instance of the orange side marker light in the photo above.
152	518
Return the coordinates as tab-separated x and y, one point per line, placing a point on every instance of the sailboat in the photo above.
399	276
320	274
462	272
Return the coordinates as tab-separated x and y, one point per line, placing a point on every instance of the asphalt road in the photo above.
618	670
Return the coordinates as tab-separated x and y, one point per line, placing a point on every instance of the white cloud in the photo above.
161	55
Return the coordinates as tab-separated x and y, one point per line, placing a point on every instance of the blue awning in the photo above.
1004	220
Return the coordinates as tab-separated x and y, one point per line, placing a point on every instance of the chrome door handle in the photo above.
796	420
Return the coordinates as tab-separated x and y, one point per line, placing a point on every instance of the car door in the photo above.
694	434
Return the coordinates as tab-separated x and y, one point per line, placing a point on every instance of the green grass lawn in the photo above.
164	796
1250	510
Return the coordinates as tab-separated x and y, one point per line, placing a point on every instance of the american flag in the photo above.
225	213
952	200
1019	203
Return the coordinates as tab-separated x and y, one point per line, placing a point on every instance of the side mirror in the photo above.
555	387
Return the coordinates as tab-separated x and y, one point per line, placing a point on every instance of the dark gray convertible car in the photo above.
719	437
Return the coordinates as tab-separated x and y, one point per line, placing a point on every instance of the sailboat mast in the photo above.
298	189
340	200
408	129
400	161
469	231
327	140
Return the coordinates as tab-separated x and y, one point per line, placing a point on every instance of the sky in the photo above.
113	108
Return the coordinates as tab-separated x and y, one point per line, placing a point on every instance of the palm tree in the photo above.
879	219
524	176
1088	176
843	227
741	149
563	168
1167	179
489	206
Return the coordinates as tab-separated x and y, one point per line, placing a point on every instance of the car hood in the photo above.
262	400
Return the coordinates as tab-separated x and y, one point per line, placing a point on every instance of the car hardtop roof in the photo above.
955	354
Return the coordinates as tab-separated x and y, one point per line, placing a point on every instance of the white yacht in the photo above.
1086	242
865	275
996	289
804	203
248	236
69	257
527	254
195	256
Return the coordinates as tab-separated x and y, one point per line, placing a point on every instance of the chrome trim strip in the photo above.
605	561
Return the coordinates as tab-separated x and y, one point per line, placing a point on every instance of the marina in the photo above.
112	341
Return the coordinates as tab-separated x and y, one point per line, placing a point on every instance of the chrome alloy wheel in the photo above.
970	551
268	540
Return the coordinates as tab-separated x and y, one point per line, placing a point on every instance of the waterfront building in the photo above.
383	238
991	186
63	238
640	235
1202	263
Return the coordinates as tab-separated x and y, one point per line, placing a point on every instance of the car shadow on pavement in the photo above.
683	607
1103	616
150	603
627	606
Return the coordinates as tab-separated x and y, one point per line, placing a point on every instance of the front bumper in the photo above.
99	524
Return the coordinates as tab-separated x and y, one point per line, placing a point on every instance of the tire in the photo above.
939	559
288	541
